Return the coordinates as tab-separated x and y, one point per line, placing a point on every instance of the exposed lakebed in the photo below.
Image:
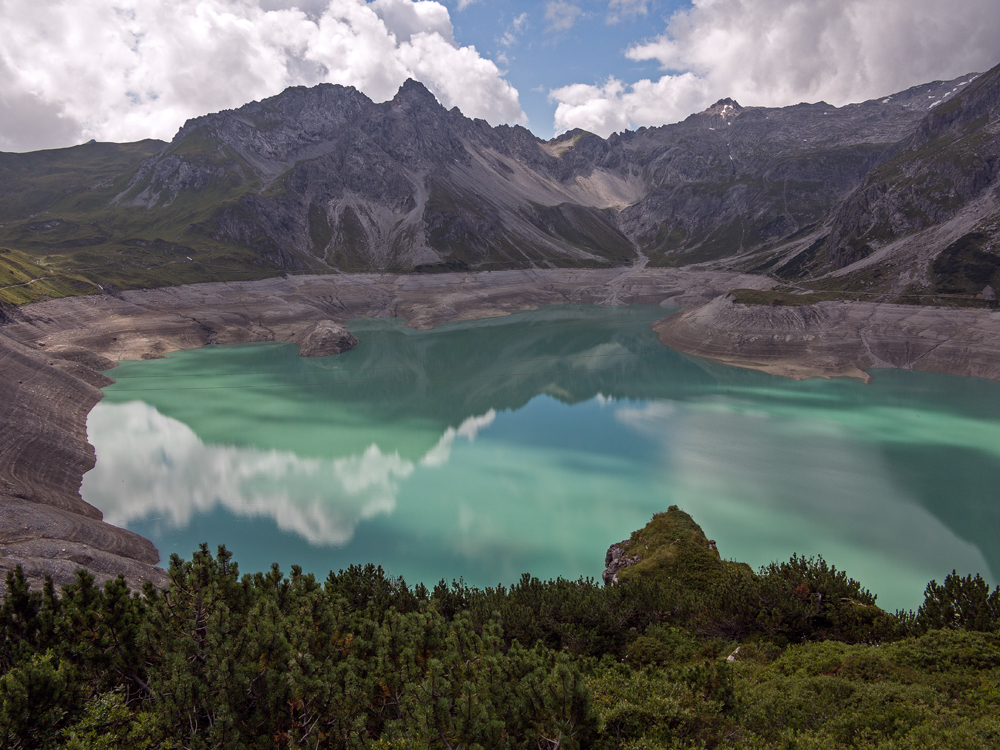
529	443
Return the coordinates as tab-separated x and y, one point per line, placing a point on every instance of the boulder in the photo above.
325	338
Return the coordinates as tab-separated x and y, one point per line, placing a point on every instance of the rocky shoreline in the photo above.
51	355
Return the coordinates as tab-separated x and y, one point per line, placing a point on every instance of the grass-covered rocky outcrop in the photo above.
686	650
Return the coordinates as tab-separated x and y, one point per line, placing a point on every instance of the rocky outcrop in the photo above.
325	338
615	560
670	548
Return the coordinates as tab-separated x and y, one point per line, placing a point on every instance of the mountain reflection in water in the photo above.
484	449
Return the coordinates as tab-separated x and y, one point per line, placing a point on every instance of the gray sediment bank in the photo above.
838	339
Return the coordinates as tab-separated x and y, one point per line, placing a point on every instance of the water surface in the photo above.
529	443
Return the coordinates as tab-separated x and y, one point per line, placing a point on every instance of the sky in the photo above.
123	70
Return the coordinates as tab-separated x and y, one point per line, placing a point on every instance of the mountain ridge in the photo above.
323	179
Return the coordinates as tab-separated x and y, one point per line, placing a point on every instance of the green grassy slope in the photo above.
58	219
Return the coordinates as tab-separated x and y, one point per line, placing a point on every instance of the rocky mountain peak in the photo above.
724	108
565	141
415	94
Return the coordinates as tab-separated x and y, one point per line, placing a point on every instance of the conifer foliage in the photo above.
361	660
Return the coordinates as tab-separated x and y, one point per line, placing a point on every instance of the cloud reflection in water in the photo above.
769	482
153	466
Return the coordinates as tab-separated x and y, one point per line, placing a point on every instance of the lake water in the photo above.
530	443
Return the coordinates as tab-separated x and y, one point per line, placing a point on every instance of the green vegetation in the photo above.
687	651
447	266
25	280
673	547
68	180
809	262
58	211
964	267
320	231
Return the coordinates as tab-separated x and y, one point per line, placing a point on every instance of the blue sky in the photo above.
539	57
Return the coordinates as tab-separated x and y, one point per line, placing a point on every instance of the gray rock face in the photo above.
326	338
615	560
950	161
325	176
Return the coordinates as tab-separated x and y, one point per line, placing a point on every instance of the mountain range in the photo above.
895	197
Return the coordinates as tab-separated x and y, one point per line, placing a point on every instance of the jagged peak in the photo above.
571	135
724	108
565	141
414	92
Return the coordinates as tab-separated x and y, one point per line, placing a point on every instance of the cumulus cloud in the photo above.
780	52
129	69
440	454
154	466
614	106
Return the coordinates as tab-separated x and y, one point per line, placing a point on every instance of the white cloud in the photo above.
405	18
614	106
561	15
623	10
514	30
780	52
129	69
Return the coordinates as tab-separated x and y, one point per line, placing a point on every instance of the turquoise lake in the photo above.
530	443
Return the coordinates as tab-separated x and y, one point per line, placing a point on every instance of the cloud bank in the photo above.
122	70
780	52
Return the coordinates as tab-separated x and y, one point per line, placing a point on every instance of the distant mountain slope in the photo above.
943	183
324	175
323	179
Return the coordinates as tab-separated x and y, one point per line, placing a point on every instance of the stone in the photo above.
325	338
615	560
